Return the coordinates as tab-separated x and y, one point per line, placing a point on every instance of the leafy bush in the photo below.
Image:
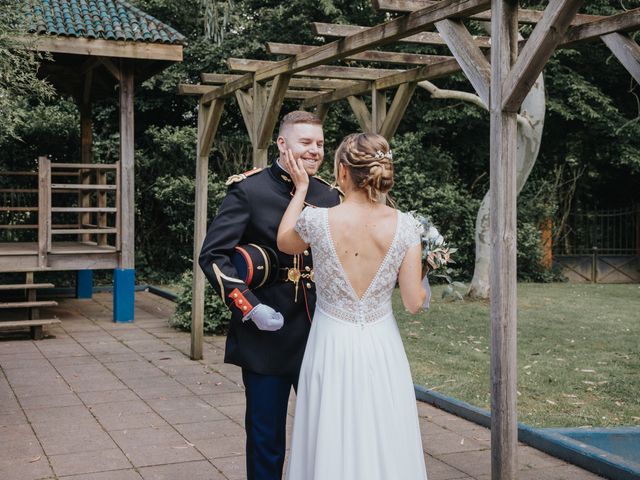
216	313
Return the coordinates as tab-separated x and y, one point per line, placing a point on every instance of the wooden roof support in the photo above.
322	110
245	102
295	82
546	36
361	112
623	22
427	38
325	71
626	51
366	56
210	127
271	109
471	59
378	109
524	15
382	34
111	67
106	48
399	105
190	89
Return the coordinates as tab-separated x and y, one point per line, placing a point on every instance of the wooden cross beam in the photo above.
623	22
293	94
382	34
426	38
524	16
626	51
471	59
542	42
366	56
295	82
324	71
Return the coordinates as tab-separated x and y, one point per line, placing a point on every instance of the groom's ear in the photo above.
282	144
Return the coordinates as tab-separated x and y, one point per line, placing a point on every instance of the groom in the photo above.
269	324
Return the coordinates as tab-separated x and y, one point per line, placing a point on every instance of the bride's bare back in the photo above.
362	235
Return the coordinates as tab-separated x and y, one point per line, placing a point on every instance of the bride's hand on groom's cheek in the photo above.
296	170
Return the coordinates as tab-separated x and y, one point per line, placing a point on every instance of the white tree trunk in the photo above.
530	123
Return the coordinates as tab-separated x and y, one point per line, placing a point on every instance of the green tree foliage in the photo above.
18	68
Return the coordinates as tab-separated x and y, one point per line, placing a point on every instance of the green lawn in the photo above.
578	352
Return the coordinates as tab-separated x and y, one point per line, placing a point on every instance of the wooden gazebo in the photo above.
501	70
85	211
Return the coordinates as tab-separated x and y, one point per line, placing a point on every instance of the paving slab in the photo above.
107	401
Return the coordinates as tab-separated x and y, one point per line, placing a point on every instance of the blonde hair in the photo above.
370	163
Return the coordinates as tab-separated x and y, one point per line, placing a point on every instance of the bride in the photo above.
356	415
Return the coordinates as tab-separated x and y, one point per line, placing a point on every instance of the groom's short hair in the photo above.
298	116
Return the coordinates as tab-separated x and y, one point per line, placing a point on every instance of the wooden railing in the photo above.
96	204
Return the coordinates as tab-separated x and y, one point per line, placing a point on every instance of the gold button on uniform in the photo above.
240	302
307	269
235	295
244	308
306	252
308	285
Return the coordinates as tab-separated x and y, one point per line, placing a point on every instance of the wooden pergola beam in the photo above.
623	22
382	34
626	51
325	71
469	56
272	109
396	111
524	15
338	94
228	88
106	48
426	38
295	82
210	127
245	102
361	112
188	89
542	42
400	58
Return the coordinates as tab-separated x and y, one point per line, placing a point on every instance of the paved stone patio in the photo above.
103	401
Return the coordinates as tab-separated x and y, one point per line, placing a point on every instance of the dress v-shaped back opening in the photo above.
343	272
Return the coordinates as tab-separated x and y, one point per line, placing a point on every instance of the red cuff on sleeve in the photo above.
240	301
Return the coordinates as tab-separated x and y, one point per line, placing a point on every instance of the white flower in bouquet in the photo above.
436	255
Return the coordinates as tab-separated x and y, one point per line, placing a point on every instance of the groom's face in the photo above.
306	141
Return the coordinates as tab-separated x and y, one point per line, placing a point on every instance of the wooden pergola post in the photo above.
208	121
124	276
504	429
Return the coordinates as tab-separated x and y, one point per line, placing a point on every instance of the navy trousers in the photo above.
265	423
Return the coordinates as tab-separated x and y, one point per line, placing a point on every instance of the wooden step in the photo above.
26	286
28	323
43	303
35	326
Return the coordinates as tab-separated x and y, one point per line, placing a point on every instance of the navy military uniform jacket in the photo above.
251	213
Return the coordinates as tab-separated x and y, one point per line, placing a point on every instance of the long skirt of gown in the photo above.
356	416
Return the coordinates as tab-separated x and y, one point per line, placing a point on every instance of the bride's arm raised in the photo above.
288	239
411	290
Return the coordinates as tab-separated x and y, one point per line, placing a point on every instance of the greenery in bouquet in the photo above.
437	256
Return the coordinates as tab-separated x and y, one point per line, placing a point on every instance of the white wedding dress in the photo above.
356	415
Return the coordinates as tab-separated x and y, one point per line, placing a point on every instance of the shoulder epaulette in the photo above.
241	176
331	185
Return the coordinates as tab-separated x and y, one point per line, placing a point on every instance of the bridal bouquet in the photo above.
436	256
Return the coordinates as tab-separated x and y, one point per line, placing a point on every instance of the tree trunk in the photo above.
530	124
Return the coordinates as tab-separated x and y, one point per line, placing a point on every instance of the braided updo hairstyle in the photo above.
369	161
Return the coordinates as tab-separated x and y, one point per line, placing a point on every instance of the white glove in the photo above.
265	318
425	285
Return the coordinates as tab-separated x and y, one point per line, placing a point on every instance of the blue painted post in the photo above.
84	284
123	294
